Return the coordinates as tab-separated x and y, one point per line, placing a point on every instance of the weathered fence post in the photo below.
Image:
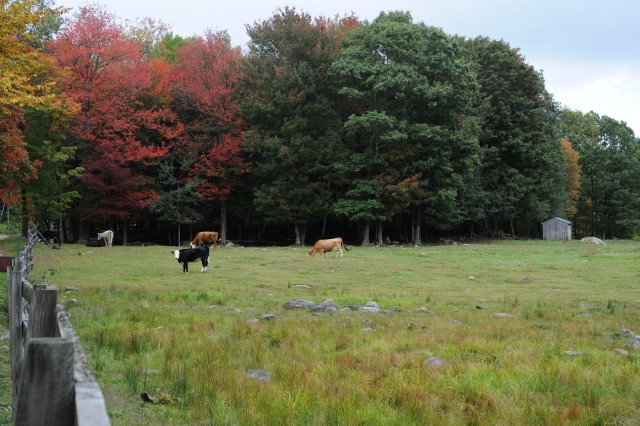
42	318
46	391
15	325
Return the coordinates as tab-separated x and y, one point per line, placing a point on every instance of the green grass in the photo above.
146	326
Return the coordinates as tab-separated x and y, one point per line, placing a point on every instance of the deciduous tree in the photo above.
408	94
521	162
292	113
123	127
205	76
23	84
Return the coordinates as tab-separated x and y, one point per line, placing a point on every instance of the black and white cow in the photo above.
185	256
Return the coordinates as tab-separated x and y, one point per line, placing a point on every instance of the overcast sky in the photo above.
588	51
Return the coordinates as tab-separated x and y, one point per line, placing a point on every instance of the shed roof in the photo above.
559	219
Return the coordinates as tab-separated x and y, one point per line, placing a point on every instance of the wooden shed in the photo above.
556	229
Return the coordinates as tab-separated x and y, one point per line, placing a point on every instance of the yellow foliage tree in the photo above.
18	61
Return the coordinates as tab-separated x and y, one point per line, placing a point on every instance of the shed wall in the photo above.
556	230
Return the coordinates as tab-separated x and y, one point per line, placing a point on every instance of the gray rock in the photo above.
625	332
573	353
299	304
634	342
301	286
268	317
481	307
351	308
593	240
261	375
435	362
326	306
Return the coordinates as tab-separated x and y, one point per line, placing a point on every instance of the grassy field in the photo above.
552	354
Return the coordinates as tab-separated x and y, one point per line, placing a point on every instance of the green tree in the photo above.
54	191
178	196
610	162
292	115
167	47
521	162
407	94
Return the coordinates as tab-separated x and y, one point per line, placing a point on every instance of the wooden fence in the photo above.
51	383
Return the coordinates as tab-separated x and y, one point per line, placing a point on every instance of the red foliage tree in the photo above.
205	77
123	126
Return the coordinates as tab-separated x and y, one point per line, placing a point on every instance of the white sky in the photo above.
588	50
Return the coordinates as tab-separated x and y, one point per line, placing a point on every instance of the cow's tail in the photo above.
344	246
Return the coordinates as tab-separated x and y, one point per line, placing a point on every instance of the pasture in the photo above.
439	355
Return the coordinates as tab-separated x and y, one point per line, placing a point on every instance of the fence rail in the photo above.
51	383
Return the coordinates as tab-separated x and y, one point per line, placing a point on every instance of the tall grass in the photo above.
190	339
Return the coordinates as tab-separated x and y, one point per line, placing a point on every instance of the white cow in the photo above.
107	236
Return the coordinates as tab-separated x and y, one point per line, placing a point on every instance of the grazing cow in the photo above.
205	239
185	256
324	246
94	242
51	236
107	236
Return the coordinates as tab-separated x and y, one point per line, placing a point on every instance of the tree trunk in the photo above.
300	233
365	234
125	232
223	224
324	225
25	212
416	232
379	234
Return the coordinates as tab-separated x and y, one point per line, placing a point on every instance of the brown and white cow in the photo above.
324	246
205	238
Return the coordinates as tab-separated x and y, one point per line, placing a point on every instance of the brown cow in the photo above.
324	246
205	239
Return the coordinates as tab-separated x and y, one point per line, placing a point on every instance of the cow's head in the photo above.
192	245
176	254
311	253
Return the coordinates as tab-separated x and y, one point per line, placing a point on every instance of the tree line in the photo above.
389	130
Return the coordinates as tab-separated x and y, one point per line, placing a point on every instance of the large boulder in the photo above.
593	240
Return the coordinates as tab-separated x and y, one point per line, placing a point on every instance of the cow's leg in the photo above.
185	267
339	251
205	263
